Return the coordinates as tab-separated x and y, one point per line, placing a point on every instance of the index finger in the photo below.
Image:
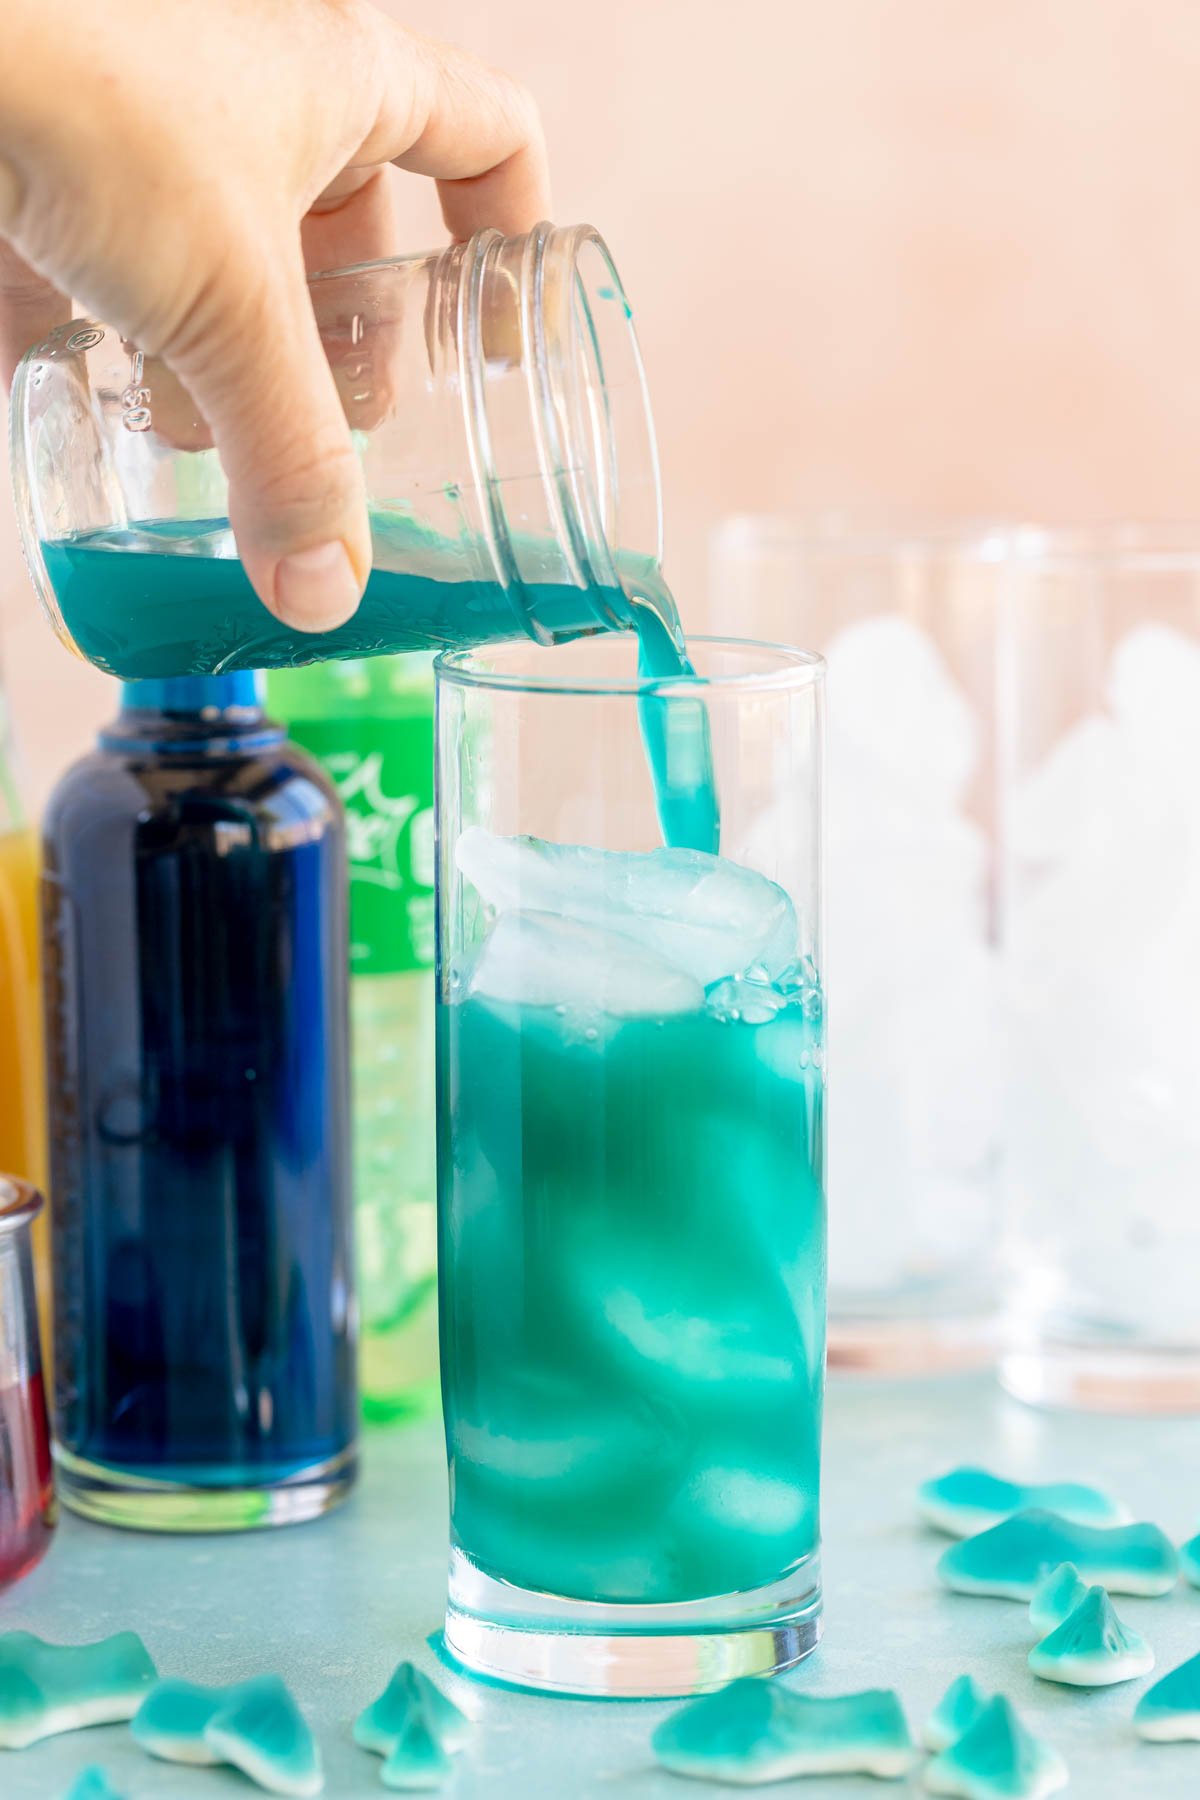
30	308
472	128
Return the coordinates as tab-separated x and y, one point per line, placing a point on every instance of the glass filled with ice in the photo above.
905	615
1100	741
631	1196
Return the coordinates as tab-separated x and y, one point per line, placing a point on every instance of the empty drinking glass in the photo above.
1101	739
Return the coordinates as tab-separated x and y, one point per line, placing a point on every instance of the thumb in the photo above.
250	353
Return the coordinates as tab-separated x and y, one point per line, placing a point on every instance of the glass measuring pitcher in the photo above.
497	399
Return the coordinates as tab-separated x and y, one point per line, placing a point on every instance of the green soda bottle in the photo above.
370	724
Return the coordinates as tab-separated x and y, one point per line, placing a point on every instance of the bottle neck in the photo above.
559	434
190	715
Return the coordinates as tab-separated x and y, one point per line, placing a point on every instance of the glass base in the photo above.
911	1343
1104	1378
113	1496
523	1639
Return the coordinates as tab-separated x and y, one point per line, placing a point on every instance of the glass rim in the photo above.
571	237
1014	542
791	670
834	532
1155	545
20	1203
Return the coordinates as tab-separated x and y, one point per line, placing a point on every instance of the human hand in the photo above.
158	163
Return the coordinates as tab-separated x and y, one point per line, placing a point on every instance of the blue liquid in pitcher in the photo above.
171	599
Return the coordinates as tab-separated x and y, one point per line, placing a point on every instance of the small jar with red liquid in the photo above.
26	1479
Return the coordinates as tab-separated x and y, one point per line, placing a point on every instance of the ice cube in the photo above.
968	1500
914	972
895	706
1154	691
537	959
703	914
1092	1648
1010	1559
1104	895
739	997
715	1349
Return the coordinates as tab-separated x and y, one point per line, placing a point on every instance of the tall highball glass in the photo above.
631	1197
1100	742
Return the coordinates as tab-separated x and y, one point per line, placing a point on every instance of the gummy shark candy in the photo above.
1011	1558
92	1784
49	1688
958	1708
1169	1712
997	1759
1092	1648
262	1732
968	1500
380	1726
416	1759
1189	1559
173	1718
1056	1595
755	1731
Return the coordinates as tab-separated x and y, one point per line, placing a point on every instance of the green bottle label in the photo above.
383	770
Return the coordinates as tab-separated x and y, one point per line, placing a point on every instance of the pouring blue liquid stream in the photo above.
169	599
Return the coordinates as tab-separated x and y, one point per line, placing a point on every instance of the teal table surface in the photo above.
333	1606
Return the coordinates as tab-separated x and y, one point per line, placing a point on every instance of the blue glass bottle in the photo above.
195	936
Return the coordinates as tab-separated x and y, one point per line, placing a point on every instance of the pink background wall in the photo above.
917	253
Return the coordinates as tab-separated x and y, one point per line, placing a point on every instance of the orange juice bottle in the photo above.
22	1077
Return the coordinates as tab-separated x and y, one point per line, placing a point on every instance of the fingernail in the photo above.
315	590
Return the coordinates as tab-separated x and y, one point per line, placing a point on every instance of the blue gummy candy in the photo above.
416	1760
1055	1596
1011	1558
997	1759
1189	1560
262	1732
173	1718
49	1688
1092	1648
755	1731
1169	1712
958	1708
409	1693
968	1500
92	1784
